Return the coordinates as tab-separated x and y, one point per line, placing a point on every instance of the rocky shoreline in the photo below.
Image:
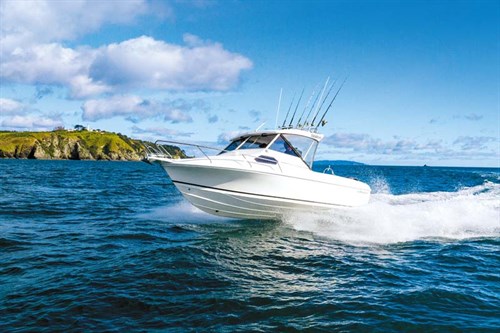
73	145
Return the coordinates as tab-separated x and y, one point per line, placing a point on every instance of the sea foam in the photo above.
181	212
469	213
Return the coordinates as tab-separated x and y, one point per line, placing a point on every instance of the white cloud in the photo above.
10	106
464	148
96	109
159	132
135	108
136	63
16	115
196	66
366	144
31	122
81	86
32	35
30	22
53	64
474	143
225	137
43	63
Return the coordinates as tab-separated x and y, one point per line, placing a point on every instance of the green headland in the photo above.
80	144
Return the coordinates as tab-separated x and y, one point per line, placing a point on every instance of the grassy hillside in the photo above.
91	145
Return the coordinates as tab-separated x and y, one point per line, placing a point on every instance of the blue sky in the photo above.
423	76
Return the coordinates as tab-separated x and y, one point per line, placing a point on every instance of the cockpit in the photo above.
295	145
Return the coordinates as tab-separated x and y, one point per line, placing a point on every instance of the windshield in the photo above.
233	145
296	145
250	142
291	144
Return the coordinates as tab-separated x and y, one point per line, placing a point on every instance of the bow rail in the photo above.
159	150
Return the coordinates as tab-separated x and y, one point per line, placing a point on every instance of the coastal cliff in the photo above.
74	145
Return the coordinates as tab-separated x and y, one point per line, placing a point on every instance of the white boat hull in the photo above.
263	192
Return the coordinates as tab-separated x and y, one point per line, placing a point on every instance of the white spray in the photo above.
469	213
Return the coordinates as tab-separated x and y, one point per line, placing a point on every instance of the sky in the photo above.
423	77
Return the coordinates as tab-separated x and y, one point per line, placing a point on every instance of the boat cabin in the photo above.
300	144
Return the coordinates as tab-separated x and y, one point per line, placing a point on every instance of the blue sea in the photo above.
114	247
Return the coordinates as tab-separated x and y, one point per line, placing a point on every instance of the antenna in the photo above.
278	111
289	108
329	106
296	107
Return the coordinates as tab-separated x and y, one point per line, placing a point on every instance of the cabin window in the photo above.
251	142
257	141
304	146
296	145
283	146
233	145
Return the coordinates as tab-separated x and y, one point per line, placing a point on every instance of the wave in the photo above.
469	213
7	243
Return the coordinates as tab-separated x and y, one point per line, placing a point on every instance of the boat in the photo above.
260	175
263	174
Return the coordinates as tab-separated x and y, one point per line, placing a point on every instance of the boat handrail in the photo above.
154	150
158	150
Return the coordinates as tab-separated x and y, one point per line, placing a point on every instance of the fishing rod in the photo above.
289	108
296	107
307	105
330	105
310	110
278	110
320	98
323	102
312	107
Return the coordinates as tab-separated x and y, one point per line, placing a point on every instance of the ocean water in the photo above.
113	247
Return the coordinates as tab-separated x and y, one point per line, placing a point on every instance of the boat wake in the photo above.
469	213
